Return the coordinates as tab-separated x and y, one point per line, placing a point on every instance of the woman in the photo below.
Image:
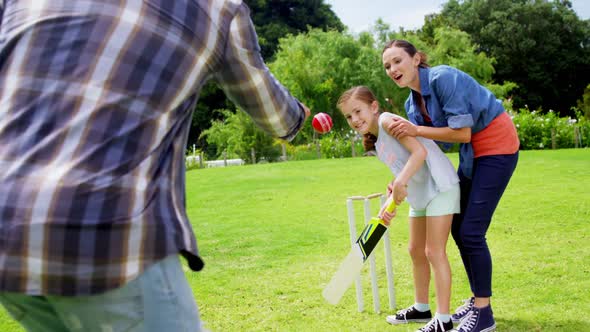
447	105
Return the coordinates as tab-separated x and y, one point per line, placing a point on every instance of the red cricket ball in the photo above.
321	123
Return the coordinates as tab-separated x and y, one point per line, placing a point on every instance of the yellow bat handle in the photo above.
391	206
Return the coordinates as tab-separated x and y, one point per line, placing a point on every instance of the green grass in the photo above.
272	235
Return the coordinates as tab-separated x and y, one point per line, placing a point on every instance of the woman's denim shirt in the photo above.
455	100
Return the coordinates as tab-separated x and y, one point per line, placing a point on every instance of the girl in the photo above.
446	104
426	178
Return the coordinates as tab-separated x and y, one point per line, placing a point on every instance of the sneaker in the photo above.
409	315
478	320
436	325
463	310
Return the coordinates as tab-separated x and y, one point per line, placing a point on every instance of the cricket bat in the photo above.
352	265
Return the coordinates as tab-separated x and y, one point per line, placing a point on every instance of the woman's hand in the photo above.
400	128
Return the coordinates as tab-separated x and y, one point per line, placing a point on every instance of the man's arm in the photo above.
247	81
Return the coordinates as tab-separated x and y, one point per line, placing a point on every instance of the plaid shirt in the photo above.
96	101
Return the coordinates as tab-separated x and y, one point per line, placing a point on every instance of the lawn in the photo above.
272	235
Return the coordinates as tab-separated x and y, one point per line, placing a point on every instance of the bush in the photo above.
584	104
334	144
545	131
340	144
237	136
302	152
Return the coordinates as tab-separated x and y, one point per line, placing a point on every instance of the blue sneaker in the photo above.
478	320
463	310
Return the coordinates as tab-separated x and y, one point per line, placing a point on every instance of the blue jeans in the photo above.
160	299
479	198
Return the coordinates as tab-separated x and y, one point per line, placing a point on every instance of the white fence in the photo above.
195	160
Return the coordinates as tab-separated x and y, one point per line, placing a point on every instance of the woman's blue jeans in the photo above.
479	197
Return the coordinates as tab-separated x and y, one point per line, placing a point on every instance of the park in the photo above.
270	216
272	235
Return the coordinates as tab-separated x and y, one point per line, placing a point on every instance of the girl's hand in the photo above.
400	191
400	128
387	216
390	188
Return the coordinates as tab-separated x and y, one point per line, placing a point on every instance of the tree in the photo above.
237	135
454	48
540	45
273	19
584	103
211	99
318	66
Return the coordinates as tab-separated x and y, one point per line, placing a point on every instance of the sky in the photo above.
409	14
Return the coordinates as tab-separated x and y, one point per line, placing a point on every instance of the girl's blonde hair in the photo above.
360	92
367	96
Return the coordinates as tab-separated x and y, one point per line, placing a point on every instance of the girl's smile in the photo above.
362	117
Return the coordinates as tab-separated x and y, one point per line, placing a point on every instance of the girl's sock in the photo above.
442	317
422	306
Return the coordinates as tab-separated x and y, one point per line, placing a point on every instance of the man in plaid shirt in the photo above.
96	100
